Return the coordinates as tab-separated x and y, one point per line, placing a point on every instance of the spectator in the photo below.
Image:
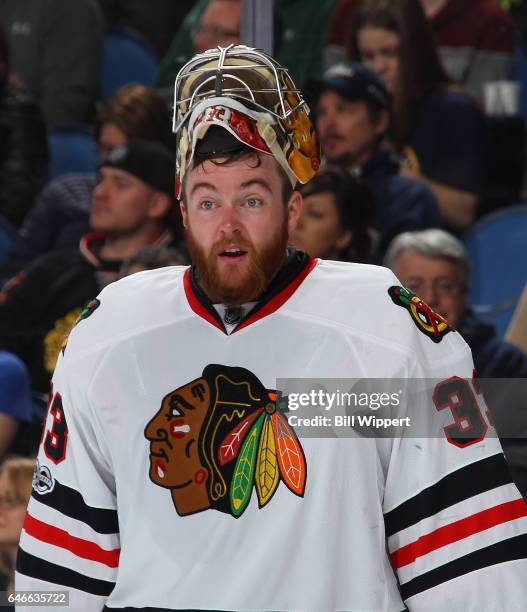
151	258
60	216
353	115
209	23
15	402
56	48
132	208
16	477
335	222
433	264
300	32
156	20
439	128
23	146
475	40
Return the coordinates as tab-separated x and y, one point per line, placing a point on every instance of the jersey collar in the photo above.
296	268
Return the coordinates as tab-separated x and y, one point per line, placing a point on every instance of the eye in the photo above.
207	205
173	408
253	202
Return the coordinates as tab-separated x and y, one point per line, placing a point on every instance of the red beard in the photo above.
242	283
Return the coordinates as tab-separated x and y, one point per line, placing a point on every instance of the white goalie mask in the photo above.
249	94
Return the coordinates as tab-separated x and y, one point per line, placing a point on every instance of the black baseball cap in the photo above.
149	161
355	82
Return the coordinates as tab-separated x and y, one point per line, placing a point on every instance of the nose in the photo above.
101	190
230	221
429	295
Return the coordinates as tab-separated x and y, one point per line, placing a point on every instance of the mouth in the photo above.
232	254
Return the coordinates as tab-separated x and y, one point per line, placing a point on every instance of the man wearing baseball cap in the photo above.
132	208
353	116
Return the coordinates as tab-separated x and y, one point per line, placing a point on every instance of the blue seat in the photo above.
497	249
127	58
72	151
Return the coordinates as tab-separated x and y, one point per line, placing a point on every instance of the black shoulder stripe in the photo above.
501	552
470	480
34	567
70	502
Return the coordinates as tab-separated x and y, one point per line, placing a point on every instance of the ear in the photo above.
383	123
184	213
344	240
294	207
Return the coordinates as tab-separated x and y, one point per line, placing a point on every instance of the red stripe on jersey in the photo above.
458	531
279	299
58	537
195	304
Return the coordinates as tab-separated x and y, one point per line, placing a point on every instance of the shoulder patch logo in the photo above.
220	436
86	312
89	309
427	321
43	481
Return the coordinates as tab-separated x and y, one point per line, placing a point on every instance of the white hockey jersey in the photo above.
169	478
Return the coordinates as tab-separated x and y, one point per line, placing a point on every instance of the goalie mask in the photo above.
247	93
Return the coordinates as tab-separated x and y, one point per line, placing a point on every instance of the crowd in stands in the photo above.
415	153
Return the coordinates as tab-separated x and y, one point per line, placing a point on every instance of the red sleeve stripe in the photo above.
58	537
458	531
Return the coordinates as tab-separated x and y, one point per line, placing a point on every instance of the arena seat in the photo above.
127	58
72	151
497	250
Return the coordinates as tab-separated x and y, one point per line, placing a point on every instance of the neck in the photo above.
432	7
120	247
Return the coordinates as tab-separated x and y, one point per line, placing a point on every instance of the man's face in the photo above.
173	434
347	133
237	225
121	203
219	25
437	281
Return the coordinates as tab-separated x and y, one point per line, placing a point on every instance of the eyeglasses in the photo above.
440	286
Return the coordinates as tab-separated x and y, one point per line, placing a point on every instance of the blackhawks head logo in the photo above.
216	438
427	321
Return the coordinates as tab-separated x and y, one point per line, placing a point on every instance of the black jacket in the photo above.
41	304
493	357
23	156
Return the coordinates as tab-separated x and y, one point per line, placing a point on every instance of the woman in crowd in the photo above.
336	217
16	476
437	128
